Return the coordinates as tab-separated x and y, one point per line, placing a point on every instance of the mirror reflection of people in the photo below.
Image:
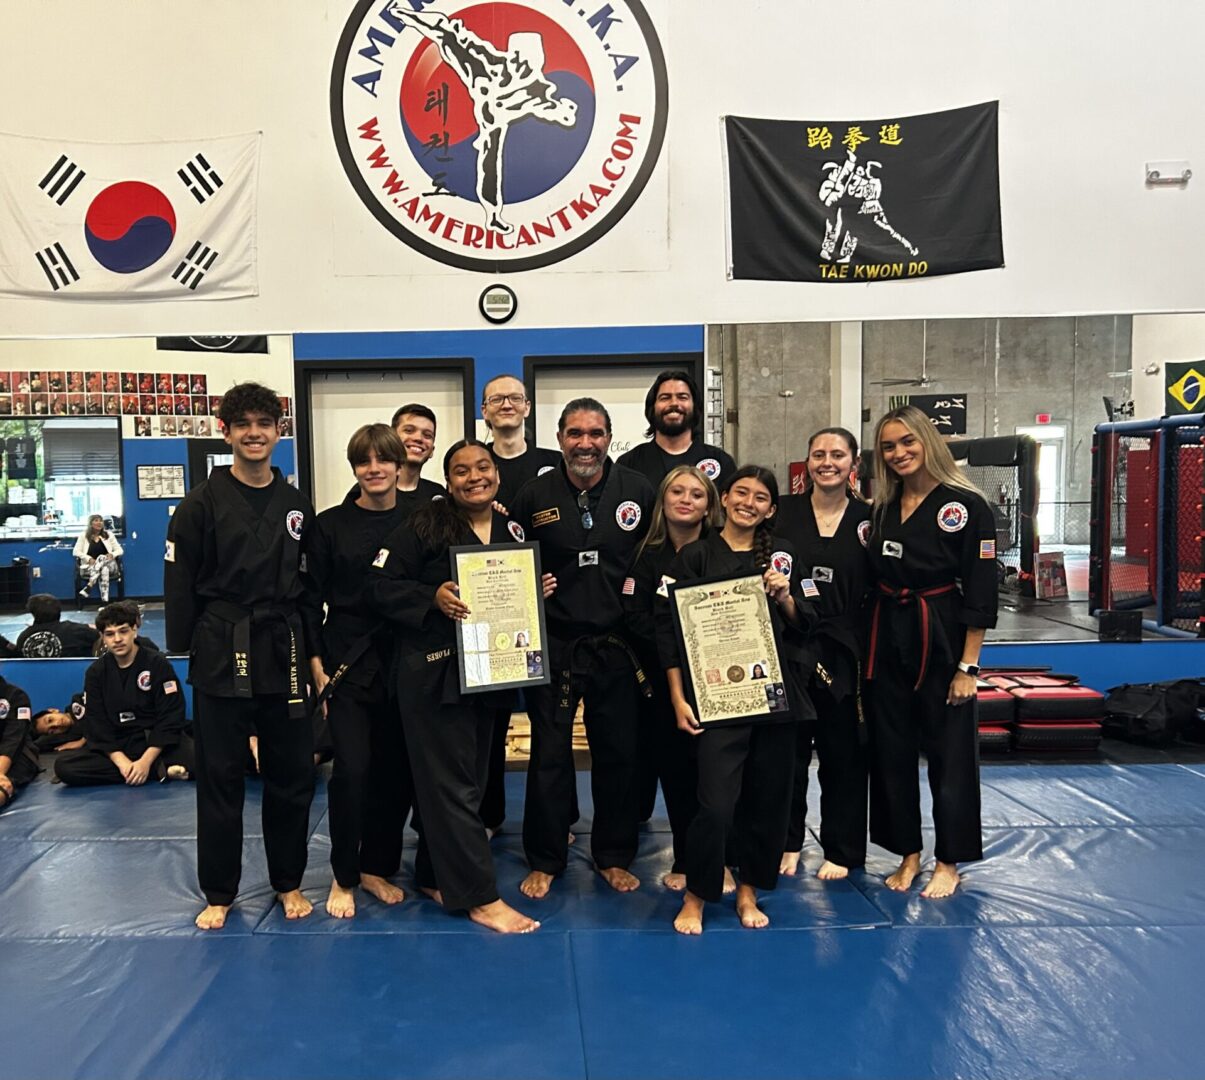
687	506
935	599
97	550
828	524
753	762
447	732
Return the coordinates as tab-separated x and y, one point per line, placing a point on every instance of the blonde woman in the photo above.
97	550
932	553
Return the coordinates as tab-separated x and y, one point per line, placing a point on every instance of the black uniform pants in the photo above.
86	767
370	788
221	727
903	723
843	779
20	773
450	752
493	799
755	764
672	758
612	716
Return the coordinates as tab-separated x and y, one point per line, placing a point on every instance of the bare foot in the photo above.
434	894
340	902
619	879
502	917
901	880
729	886
746	907
676	882
831	871
790	863
176	772
536	885
296	906
690	918
383	889
944	881
213	917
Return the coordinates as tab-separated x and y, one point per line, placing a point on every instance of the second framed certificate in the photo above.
730	655
503	643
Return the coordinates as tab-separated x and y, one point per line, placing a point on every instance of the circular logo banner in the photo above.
499	136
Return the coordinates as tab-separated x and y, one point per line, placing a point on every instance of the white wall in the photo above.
1089	91
1157	340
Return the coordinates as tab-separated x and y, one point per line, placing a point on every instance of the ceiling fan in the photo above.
924	379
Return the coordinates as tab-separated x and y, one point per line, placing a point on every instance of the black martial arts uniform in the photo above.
672	753
75	709
654	463
754	762
235	600
17	738
591	660
59	638
370	788
837	568
448	733
513	473
129	710
935	575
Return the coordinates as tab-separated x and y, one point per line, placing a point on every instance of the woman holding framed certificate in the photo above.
932	552
687	505
448	724
754	756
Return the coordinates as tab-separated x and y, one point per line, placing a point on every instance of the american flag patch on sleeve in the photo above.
170	687
987	549
629	586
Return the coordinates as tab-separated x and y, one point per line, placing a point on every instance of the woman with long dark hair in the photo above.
448	734
97	550
829	525
753	762
932	552
687	505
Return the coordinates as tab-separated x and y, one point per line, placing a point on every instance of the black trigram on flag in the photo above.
195	265
57	267
62	180
200	178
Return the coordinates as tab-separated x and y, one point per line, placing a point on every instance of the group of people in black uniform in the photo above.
880	610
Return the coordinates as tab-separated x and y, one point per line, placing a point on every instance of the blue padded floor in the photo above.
1076	948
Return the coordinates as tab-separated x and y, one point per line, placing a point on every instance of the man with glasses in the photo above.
674	412
588	516
505	409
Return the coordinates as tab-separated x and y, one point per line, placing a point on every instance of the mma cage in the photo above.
1148	522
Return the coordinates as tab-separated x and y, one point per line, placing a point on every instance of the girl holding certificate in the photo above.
755	759
448	732
829	525
687	504
932	552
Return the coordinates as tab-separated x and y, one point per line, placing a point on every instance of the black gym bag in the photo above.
1154	713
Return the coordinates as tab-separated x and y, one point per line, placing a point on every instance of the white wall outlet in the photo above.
37	571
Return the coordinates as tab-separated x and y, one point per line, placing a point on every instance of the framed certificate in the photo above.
729	649
503	643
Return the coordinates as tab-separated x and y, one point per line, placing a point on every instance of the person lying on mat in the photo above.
134	719
18	755
60	729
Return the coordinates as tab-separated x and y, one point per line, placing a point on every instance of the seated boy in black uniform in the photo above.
135	712
49	634
18	755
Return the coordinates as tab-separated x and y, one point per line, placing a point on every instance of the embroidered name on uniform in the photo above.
987	549
438	655
545	517
381	559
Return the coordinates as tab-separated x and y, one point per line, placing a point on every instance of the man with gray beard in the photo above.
588	516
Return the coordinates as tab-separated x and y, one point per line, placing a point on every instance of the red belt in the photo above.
903	598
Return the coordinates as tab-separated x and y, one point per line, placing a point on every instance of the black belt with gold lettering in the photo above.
357	650
240	619
590	645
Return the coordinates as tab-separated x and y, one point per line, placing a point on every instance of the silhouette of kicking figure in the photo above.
505	87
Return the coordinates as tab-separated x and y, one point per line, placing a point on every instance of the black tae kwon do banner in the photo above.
226	343
947	412
868	200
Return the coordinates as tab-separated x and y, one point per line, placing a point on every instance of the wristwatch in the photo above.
969	669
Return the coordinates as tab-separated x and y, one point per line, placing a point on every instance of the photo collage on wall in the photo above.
171	404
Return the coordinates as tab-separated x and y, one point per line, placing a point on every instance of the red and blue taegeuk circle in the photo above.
537	154
129	226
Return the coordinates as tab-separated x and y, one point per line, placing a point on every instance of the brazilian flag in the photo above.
1185	384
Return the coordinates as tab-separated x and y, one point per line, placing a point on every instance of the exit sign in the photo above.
1042	418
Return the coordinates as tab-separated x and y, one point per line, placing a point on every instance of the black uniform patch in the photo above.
545	517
